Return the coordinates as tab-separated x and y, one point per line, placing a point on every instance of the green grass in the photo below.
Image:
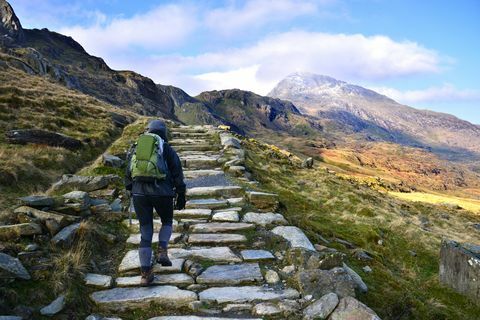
401	286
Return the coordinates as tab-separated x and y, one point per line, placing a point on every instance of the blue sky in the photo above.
421	53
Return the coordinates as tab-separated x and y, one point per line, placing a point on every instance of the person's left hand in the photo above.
180	201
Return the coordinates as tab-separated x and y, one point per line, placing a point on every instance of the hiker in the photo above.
154	177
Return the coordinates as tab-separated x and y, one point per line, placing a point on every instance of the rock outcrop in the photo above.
460	268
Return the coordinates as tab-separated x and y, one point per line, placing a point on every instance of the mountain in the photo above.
378	117
62	59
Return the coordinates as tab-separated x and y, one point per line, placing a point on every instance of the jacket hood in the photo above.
158	127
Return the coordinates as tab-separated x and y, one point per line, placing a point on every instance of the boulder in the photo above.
11	267
37	136
55	307
460	268
229	141
79	198
307	259
321	308
294	236
320	282
307	163
71	182
110	160
272	277
350	308
360	285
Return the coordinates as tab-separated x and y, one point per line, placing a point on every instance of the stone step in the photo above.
215	191
226	216
206	204
193	174
135	238
200	162
264	219
131	262
197	128
246	294
257	255
175	279
157	224
213	227
199	318
193	213
216	254
216	238
120	299
189	141
192	135
231	274
196	147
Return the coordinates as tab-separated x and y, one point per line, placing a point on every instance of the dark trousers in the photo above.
144	206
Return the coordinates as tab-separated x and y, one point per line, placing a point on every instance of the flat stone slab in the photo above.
217	254
131	262
157	224
236	201
22	229
231	274
264	219
198	318
61	219
119	299
226	216
226	238
263	200
98	280
221	227
193	213
11	267
38	201
206	203
192	174
236	209
294	236
66	235
176	279
135	238
220	191
246	294
256	255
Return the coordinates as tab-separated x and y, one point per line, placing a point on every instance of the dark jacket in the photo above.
172	184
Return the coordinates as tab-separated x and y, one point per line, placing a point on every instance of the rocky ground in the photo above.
233	256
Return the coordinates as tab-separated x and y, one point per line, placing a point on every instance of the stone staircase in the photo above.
217	268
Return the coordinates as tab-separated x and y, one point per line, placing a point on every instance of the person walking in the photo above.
154	177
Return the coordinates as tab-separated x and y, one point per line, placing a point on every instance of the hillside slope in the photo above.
378	117
62	59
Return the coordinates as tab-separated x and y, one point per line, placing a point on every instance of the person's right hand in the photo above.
180	201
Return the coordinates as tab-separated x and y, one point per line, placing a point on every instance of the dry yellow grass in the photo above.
465	203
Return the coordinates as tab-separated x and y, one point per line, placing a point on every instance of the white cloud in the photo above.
444	93
255	13
163	27
260	66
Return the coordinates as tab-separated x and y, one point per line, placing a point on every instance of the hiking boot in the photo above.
147	278
162	257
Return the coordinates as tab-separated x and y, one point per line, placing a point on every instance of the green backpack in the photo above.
147	163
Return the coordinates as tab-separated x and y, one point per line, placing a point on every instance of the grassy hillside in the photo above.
29	101
402	237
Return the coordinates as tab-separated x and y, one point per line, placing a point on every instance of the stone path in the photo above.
222	267
233	256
